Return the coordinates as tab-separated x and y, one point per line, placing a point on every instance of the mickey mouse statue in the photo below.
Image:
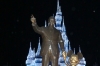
74	59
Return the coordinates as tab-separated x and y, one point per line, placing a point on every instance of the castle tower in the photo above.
64	36
31	56
39	48
58	17
63	26
33	60
30	52
38	58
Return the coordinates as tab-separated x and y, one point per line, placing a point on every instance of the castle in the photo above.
34	58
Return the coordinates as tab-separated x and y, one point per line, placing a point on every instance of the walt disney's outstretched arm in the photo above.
36	28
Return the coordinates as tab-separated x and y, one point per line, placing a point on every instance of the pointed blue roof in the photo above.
63	25
30	49
39	48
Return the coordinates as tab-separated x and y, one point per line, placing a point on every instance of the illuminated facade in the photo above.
34	58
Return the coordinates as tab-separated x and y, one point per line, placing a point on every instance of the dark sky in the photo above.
81	20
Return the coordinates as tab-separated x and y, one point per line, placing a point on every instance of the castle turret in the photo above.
69	47
45	23
63	26
38	58
39	48
33	61
30	51
64	36
58	17
31	56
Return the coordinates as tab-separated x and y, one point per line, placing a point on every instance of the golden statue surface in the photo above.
74	59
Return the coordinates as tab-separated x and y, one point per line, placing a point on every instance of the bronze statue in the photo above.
50	39
73	58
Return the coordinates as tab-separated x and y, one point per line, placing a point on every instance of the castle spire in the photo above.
63	25
45	23
69	48
58	6
39	48
58	17
30	49
74	50
79	49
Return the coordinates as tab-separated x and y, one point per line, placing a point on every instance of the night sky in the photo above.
81	18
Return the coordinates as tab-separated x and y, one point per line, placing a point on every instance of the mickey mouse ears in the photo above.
70	52
79	54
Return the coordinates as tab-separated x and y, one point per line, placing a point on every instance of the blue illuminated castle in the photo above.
34	58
